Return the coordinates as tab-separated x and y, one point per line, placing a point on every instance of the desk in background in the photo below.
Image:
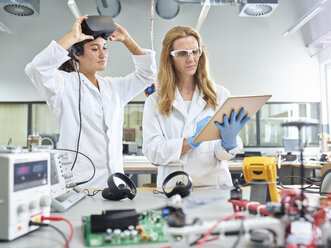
284	170
134	165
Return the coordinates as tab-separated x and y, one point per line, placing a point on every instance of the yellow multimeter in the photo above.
261	169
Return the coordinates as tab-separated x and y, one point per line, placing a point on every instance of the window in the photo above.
132	126
13	124
18	120
44	123
265	129
248	133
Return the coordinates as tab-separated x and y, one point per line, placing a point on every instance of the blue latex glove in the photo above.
230	129
200	125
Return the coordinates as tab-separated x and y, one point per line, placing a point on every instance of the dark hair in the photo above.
78	48
70	65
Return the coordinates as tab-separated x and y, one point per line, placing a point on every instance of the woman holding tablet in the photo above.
184	102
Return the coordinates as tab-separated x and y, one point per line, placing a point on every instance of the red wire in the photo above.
71	230
205	236
59	218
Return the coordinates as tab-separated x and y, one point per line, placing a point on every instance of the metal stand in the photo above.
299	125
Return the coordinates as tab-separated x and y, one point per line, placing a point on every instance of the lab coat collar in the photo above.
197	104
179	103
89	84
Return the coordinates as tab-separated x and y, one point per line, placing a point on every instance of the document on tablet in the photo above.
251	104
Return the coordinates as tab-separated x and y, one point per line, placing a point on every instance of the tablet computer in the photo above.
252	104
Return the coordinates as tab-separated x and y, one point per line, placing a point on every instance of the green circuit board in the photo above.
151	222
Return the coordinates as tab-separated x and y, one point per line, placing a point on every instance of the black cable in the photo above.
241	231
155	191
69	150
284	187
306	179
41	224
94	192
80	117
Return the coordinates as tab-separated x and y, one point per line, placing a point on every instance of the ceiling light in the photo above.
74	9
305	18
203	15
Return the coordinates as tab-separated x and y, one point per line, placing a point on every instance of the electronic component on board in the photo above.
124	227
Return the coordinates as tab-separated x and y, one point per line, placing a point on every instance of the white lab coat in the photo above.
102	111
163	138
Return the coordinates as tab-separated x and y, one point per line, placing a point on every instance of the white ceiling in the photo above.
240	49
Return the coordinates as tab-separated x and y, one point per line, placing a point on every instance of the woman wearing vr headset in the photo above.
184	102
89	108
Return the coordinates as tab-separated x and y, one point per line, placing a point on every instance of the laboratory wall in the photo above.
247	55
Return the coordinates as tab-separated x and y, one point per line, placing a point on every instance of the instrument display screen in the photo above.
30	174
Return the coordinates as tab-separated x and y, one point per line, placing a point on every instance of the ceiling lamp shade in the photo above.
110	8
167	9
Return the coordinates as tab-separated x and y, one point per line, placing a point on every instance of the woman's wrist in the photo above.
132	46
68	40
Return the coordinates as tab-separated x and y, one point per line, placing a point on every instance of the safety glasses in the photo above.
196	52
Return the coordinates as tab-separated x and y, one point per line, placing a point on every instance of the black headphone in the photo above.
78	50
182	189
116	193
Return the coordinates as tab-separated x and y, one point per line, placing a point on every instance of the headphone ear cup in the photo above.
106	194
183	192
74	50
116	193
180	188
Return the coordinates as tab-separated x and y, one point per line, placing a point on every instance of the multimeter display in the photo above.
30	174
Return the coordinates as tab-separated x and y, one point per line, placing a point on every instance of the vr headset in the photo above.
98	26
95	26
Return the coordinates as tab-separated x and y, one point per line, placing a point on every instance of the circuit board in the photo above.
149	230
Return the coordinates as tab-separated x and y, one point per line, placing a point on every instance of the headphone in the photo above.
181	189
78	50
116	193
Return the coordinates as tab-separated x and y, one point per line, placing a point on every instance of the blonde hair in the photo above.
167	75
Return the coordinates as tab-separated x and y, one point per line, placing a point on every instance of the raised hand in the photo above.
120	34
230	128
77	30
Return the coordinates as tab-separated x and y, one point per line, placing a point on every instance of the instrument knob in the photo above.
22	208
45	201
33	205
